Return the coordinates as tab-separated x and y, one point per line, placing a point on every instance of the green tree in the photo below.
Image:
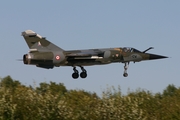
170	90
53	88
8	82
51	101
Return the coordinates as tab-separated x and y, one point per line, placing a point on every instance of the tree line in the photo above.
52	101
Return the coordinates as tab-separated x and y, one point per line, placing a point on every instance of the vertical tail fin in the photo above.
36	41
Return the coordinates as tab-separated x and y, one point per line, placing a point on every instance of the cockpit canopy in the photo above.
129	49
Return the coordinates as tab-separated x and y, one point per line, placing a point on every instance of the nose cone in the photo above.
153	57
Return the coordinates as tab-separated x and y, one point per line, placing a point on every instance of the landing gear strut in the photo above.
83	74
75	75
125	69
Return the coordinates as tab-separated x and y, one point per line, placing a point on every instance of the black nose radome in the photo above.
153	57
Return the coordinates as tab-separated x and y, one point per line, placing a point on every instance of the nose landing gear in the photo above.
83	74
125	69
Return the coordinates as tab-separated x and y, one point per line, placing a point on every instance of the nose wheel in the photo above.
125	74
83	74
125	69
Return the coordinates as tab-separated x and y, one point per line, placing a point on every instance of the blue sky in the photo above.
94	24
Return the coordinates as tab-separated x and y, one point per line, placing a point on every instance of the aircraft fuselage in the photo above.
45	54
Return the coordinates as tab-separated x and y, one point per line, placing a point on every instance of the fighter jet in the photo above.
45	54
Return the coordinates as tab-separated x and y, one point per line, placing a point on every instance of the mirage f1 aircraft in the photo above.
45	54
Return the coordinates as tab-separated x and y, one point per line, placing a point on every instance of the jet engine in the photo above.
44	60
25	59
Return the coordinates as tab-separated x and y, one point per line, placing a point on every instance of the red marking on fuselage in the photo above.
57	57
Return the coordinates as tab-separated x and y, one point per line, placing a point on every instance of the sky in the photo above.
94	24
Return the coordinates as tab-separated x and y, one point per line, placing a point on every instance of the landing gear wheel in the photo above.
83	74
75	75
125	74
125	69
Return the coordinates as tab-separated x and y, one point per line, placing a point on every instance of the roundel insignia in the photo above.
57	57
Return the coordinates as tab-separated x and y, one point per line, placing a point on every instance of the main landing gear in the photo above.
83	74
125	69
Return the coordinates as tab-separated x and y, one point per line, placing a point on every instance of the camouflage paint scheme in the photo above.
45	54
